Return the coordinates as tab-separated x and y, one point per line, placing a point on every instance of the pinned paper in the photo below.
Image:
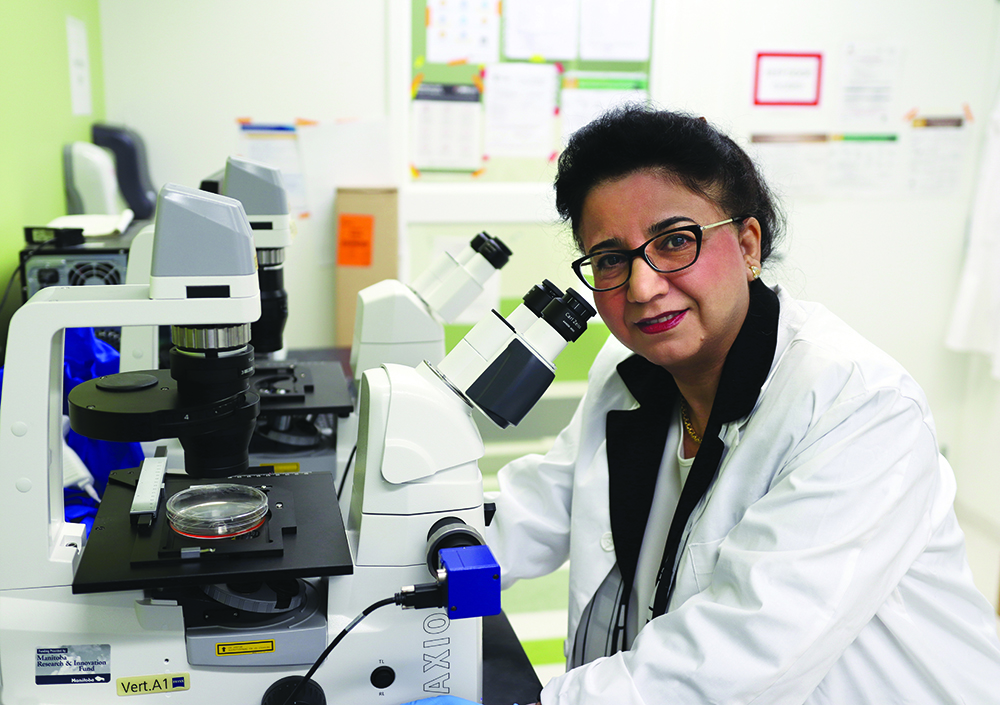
446	128
816	164
788	79
938	146
79	66
540	29
520	109
615	30
462	32
355	239
869	82
277	146
587	94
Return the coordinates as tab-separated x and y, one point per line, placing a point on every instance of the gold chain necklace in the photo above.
688	426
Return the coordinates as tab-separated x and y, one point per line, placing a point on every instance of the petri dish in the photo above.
216	511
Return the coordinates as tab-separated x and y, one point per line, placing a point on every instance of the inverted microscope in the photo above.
168	599
300	400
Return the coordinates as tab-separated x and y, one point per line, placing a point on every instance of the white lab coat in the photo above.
975	320
824	565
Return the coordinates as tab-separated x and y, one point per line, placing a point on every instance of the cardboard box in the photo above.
367	222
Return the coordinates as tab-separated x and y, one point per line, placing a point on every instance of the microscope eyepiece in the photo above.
568	315
492	249
541	295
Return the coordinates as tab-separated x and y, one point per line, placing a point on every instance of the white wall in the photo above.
887	265
181	72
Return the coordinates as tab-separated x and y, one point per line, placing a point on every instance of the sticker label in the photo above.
83	663
237	648
355	240
147	685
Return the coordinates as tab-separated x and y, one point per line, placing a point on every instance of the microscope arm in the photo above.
32	477
428	428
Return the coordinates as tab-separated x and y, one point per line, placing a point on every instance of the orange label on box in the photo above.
355	235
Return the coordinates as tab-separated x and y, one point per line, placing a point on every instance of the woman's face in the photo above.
685	321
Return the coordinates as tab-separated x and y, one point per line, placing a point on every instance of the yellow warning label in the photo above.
236	648
147	685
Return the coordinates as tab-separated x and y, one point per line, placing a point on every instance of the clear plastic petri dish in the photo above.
216	511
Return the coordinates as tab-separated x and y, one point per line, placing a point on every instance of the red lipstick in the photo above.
667	321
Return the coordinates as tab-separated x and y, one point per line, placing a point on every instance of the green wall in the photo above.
36	119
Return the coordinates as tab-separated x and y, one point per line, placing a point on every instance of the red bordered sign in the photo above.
785	78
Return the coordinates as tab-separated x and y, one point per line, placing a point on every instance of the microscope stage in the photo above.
296	387
303	536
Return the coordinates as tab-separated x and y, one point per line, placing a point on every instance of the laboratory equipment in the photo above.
417	473
260	189
85	263
48	635
301	401
137	608
90	181
131	166
400	324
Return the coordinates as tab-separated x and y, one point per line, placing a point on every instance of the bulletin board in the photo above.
485	120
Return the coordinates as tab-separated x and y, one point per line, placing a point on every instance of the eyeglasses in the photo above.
671	251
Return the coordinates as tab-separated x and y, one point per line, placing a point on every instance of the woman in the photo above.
750	494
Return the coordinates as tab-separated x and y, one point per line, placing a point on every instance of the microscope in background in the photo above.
301	401
261	191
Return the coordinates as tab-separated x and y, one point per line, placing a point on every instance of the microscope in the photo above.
166	603
155	600
300	401
261	191
417	479
396	323
399	324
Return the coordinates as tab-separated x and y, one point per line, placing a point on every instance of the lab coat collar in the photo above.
636	438
747	364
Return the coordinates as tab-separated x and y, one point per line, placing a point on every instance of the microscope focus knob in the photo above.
382	677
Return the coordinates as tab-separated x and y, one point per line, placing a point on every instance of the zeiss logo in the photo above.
177	682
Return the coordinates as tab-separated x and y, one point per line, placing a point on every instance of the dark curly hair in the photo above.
683	147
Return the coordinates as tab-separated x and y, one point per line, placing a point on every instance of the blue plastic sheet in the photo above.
85	357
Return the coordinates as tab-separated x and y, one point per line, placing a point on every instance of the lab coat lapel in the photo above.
635	441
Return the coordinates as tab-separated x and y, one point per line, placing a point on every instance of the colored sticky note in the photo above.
355	237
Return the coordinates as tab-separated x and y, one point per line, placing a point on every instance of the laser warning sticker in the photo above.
79	664
147	685
240	648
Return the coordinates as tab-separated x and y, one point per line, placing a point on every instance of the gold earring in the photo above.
755	271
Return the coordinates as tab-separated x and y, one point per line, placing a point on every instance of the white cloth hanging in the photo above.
975	324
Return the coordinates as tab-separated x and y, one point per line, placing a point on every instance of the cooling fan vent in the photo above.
94	273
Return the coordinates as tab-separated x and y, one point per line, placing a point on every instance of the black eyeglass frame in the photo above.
640	251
